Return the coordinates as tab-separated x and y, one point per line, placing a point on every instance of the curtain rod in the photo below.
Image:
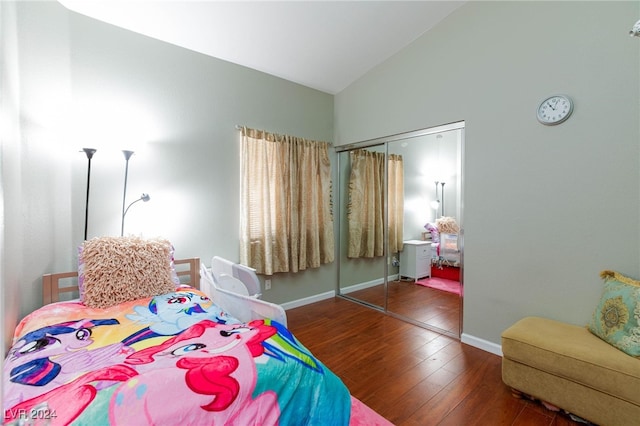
239	127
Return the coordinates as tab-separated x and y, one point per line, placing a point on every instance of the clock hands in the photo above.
554	110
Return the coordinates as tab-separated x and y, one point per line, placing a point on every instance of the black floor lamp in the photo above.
89	152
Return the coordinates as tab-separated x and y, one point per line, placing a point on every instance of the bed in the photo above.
112	357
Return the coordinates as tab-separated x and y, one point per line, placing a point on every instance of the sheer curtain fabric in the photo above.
286	218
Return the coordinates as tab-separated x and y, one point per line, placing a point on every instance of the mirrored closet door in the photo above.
400	221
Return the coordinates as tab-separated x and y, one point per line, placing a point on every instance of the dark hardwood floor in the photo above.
434	308
410	375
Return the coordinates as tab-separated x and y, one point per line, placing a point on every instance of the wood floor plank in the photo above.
410	375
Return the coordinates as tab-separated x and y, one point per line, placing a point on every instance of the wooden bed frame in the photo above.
51	288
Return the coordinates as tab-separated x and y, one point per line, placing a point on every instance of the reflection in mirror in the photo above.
362	225
400	219
427	289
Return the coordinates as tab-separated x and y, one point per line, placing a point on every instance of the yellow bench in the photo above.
567	366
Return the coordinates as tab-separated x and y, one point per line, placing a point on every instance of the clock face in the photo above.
555	110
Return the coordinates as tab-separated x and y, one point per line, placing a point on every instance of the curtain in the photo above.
366	204
286	217
396	202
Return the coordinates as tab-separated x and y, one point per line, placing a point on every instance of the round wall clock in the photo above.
555	109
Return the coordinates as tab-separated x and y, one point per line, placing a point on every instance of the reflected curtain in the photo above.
286	218
396	202
366	203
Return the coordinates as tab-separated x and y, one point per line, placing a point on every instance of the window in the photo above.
286	218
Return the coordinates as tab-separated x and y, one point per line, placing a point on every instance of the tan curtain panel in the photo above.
286	222
366	204
396	202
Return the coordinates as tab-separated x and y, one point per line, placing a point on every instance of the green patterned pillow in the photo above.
616	319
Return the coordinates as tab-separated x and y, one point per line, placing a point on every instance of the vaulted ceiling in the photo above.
325	45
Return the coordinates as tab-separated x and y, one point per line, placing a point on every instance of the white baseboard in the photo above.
361	286
485	345
367	284
329	294
308	300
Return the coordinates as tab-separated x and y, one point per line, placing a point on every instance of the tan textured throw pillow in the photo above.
121	269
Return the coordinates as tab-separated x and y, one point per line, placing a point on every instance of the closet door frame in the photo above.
460	125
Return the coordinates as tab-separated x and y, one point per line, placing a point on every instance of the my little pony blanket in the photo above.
175	359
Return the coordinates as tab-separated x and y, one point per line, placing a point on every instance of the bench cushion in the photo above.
573	353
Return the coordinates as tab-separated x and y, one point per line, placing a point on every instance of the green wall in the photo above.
545	208
83	83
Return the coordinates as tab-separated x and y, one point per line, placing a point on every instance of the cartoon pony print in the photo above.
53	355
210	364
170	313
66	402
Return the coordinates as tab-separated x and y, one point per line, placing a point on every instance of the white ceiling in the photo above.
325	45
